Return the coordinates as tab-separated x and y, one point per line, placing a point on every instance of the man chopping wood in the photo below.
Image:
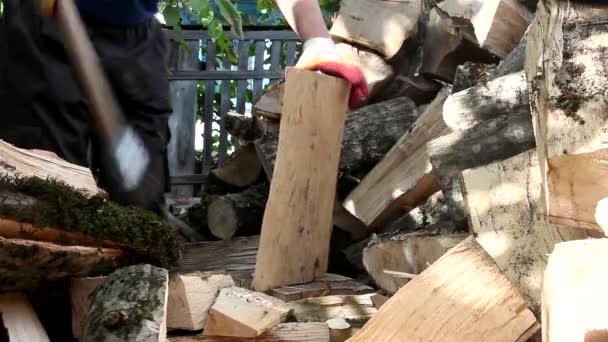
45	108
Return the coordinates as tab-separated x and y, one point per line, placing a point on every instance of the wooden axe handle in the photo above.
106	111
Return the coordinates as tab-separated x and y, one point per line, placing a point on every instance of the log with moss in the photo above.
45	206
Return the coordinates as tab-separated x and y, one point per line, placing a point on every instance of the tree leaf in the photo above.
199	5
230	13
171	15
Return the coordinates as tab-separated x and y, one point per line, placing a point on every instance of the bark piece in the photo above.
130	305
502	200
299	209
369	132
191	296
472	30
82	294
403	178
568	82
471	74
284	332
18	319
243	168
574	299
419	89
357	22
327	285
47	262
410	253
432	212
236	257
352	308
237	213
238	312
461	297
34	163
507	94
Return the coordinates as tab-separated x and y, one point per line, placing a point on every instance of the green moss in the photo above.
147	236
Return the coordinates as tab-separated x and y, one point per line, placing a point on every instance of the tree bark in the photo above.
238	213
130	305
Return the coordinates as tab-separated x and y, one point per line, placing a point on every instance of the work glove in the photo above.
321	54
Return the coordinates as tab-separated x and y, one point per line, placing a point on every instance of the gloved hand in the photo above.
321	54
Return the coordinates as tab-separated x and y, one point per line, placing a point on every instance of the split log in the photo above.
237	213
236	257
130	305
403	178
568	83
238	312
507	94
410	253
26	265
461	297
298	213
82	294
574	299
473	30
378	300
514	61
34	163
369	132
327	285
270	104
284	332
417	88
340	330
242	170
503	200
357	23
471	74
496	139
18	320
191	296
354	309
432	212
346	222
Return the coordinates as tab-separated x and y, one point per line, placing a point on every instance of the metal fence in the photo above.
205	84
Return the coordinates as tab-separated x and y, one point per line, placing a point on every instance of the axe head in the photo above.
130	157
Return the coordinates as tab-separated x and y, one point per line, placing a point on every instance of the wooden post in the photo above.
294	243
182	121
568	80
574	292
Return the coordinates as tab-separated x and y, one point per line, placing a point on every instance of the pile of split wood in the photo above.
457	213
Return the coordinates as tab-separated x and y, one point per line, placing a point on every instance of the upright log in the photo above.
294	243
18	320
403	178
130	305
574	292
502	200
461	297
357	22
568	83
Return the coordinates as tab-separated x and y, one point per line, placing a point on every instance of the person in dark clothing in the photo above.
45	108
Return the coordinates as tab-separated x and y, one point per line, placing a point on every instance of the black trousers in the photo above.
43	106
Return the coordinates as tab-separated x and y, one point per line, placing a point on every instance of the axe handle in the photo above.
107	114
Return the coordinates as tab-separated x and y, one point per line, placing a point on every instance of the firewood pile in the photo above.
457	214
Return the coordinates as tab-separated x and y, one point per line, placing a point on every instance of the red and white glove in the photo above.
321	54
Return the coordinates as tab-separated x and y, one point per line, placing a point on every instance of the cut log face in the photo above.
507	94
238	312
329	284
410	253
462	30
18	320
403	178
568	85
503	200
574	299
130	305
357	308
242	170
461	297
284	332
27	163
236	257
82	294
237	213
46	262
299	208
379	25
190	298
